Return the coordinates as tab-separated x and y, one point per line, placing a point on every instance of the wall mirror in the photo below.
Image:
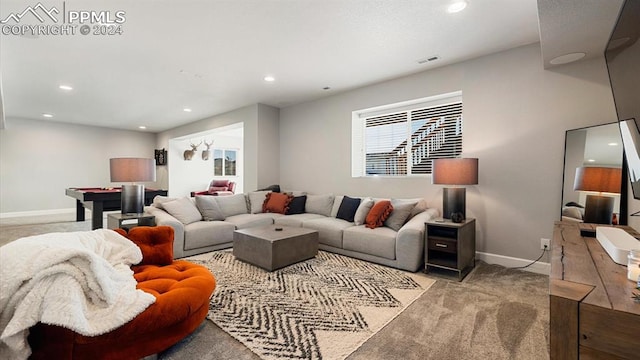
599	145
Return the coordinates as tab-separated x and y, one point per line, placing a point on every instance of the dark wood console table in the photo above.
592	314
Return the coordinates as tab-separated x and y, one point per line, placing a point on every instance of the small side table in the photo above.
128	221
450	246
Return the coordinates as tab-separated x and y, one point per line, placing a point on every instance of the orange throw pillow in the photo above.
276	203
378	214
155	242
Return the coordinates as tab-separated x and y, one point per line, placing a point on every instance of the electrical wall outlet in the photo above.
545	244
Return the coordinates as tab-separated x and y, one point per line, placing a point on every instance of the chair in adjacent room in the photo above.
218	188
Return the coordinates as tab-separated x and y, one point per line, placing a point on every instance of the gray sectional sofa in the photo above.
206	223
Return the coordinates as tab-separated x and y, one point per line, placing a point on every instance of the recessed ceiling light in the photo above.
567	58
591	160
65	87
186	110
613	144
326	88
47	115
142	127
269	78
457	7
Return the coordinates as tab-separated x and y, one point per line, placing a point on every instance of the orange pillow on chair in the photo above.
155	242
378	214
276	203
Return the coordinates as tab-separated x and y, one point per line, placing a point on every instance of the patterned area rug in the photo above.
323	308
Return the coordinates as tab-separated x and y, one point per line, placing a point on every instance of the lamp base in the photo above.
453	201
598	209
132	201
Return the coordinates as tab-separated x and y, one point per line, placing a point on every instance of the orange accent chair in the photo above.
218	188
182	290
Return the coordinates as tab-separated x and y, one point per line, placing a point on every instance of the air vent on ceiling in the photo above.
429	59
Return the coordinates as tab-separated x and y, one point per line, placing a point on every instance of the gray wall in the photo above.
516	114
40	159
261	143
268	147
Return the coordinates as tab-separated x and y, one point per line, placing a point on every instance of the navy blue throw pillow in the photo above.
297	205
348	208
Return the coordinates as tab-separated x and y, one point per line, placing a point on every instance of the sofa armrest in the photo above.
196	193
164	218
410	241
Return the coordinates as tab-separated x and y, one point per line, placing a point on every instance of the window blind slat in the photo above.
397	143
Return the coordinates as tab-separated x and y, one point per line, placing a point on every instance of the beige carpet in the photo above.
323	308
13	230
495	313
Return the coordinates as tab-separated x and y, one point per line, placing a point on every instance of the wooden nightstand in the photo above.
127	221
450	246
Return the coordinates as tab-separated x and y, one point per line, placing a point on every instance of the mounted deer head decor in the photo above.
188	154
207	153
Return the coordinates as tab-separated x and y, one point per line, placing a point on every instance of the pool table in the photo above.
103	199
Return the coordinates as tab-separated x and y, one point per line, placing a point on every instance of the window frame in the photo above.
358	130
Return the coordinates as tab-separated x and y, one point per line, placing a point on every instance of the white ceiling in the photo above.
603	145
212	56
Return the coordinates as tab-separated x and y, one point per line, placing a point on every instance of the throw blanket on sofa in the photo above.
78	280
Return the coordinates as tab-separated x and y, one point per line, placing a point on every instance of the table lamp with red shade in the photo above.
132	170
598	208
454	171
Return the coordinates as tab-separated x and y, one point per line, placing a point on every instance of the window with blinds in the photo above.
402	139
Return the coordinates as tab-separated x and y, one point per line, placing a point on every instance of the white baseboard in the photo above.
508	261
7	215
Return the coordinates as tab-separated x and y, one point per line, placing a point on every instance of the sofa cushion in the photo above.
348	208
209	208
274	188
401	211
207	233
363	210
232	204
158	200
183	209
421	206
337	201
276	203
319	204
256	200
155	242
329	230
296	220
242	221
380	241
378	214
297	205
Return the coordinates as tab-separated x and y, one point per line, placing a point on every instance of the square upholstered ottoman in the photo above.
272	249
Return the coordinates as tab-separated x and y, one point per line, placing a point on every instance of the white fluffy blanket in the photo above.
78	280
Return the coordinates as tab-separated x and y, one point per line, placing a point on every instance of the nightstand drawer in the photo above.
443	244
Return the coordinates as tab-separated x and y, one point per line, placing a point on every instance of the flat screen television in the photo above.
623	63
